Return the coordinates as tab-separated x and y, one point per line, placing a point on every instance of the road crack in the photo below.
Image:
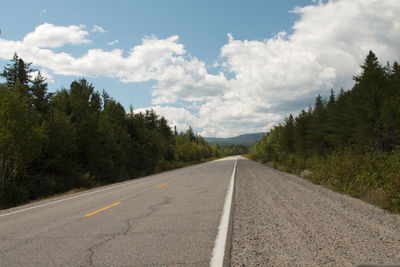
92	248
127	228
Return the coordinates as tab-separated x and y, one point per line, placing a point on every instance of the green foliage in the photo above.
351	142
21	142
373	176
337	170
79	138
392	181
18	71
39	94
59	157
190	147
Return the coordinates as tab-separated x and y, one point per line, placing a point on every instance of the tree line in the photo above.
350	141
79	138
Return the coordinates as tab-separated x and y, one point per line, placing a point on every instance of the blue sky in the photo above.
274	61
201	25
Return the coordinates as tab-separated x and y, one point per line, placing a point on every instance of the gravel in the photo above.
281	219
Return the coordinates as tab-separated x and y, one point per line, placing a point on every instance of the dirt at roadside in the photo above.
283	220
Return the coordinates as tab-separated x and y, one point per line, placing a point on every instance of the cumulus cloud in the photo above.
51	36
213	119
283	74
271	77
330	40
179	75
97	28
176	116
113	42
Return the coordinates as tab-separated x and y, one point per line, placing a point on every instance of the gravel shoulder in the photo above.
281	219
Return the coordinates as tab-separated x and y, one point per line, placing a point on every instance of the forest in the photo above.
349	142
75	138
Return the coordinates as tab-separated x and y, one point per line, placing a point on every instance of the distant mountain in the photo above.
244	139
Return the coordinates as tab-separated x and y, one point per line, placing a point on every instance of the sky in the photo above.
224	67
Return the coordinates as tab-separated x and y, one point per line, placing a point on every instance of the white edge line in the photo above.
218	253
68	198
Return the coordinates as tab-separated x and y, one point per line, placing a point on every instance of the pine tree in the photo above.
301	134
287	138
368	96
391	109
318	126
190	134
39	94
17	71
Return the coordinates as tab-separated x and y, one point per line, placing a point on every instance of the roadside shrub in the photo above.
392	181
373	176
373	169
337	170
87	180
318	169
164	165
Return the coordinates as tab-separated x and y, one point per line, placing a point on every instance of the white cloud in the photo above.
272	77
180	76
43	12
281	75
45	74
113	42
51	36
213	120
97	28
176	116
329	42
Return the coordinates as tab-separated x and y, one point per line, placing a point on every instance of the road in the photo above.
174	219
170	219
283	220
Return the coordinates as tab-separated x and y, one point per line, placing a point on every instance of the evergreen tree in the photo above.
39	94
21	142
168	137
368	95
190	134
85	115
77	137
391	109
114	141
17	71
343	121
319	126
287	138
302	141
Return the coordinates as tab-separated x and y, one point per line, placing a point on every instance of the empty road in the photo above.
170	219
173	219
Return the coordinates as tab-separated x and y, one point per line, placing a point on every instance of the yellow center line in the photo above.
161	185
185	176
97	211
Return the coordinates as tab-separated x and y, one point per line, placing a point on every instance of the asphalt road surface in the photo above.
170	219
283	220
173	219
